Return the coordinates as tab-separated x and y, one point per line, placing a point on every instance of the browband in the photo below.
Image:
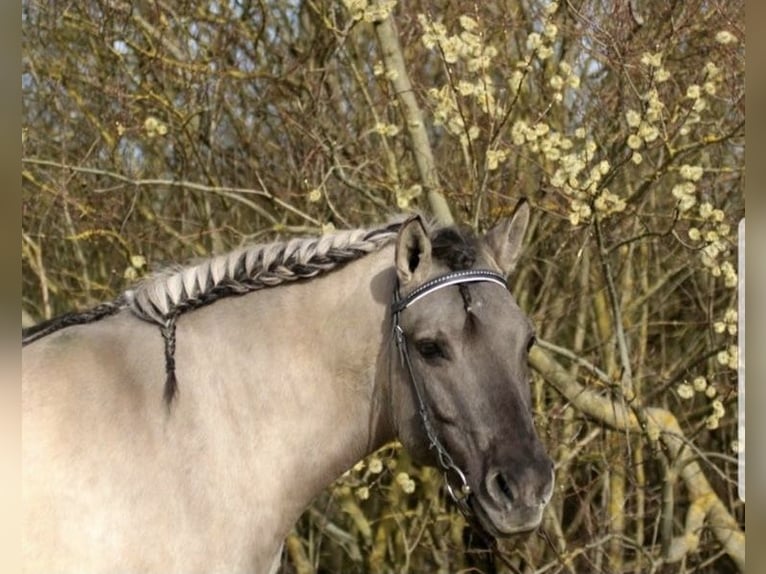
453	278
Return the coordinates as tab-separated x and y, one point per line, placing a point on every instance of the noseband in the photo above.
399	304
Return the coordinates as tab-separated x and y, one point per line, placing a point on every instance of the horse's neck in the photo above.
295	375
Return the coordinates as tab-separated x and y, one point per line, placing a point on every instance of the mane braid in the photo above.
249	269
162	298
35	332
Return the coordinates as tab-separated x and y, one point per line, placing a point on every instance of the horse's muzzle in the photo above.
511	504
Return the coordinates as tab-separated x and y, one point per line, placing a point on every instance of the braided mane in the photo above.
161	298
176	291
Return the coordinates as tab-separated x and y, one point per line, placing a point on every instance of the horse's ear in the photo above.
413	252
504	239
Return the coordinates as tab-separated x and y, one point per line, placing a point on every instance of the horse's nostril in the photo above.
504	487
525	489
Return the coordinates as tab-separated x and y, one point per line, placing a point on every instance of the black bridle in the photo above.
399	304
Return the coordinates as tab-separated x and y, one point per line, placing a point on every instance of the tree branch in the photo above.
391	49
231	192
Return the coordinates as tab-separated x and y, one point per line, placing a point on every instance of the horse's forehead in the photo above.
495	308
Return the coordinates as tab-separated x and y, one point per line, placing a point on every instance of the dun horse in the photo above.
361	337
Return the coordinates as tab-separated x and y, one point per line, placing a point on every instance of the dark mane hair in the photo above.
455	246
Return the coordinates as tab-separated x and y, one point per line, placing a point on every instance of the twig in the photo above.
593	369
622	343
146	182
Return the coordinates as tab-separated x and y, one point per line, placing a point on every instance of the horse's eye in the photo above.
430	350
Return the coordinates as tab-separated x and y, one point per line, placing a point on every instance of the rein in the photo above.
398	305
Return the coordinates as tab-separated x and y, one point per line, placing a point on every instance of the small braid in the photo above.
35	332
171	383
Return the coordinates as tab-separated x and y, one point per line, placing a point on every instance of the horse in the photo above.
283	364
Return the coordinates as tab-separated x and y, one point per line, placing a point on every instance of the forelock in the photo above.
456	247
